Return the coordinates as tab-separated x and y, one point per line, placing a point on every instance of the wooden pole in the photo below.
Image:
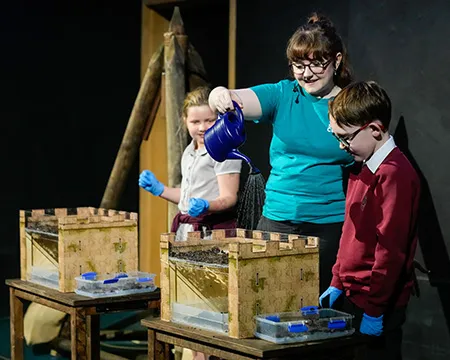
133	133
175	51
195	69
232	45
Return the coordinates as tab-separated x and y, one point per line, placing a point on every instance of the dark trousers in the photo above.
388	346
329	235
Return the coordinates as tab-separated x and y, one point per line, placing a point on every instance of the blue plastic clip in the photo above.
120	276
92	275
337	324
110	281
297	328
144	279
274	318
309	310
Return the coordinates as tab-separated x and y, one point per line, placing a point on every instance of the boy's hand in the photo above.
371	325
197	207
333	292
149	182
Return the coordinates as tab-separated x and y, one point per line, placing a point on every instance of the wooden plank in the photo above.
23	246
93	336
16	325
232	25
204	348
253	347
133	133
78	333
152	116
269	281
175	54
40	300
86	247
155	348
153	156
30	291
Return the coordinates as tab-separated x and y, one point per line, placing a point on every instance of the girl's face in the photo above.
198	120
316	76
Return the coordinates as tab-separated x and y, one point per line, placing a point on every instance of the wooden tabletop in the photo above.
253	347
75	300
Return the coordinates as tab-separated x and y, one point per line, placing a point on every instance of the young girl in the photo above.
208	192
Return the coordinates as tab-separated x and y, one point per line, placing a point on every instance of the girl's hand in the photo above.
197	207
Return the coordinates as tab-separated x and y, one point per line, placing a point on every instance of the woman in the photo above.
305	189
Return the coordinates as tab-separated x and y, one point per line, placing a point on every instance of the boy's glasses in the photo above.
345	140
316	67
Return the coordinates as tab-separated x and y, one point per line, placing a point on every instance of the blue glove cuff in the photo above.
372	318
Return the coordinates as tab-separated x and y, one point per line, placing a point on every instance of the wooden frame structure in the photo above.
265	273
69	242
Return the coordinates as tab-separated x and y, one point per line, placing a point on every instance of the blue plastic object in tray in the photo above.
308	324
103	285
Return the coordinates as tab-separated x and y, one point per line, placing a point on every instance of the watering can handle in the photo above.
239	112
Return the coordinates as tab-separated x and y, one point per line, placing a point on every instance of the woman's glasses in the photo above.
316	67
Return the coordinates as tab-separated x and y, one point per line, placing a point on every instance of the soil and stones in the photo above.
211	256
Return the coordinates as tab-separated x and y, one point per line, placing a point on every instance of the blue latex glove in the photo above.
197	206
149	182
371	325
333	292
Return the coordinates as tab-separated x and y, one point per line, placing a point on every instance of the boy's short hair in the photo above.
361	103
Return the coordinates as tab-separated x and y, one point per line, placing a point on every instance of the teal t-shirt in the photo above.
306	179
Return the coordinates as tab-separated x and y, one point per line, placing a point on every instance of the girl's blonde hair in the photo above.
197	97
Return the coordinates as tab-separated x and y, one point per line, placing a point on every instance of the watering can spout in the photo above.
235	154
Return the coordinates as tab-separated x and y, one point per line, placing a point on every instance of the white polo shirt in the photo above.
199	175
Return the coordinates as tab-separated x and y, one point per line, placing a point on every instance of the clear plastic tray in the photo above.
119	284
45	277
201	318
309	324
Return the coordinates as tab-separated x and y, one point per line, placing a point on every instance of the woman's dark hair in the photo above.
319	38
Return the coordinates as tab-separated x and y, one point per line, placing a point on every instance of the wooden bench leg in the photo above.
93	336
156	349
78	333
16	324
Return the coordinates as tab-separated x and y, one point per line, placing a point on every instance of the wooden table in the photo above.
84	314
162	335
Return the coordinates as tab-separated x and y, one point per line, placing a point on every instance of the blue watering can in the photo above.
226	135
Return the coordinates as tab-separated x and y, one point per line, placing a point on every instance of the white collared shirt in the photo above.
199	175
378	156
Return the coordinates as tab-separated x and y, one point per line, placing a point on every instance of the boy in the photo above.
374	264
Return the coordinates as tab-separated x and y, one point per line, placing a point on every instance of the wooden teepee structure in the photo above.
174	69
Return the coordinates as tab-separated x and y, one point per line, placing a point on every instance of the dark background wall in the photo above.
401	45
70	74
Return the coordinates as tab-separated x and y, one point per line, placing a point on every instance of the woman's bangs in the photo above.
307	45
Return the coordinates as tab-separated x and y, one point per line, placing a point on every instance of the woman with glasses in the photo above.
305	189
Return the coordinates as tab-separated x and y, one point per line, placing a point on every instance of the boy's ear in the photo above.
377	129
